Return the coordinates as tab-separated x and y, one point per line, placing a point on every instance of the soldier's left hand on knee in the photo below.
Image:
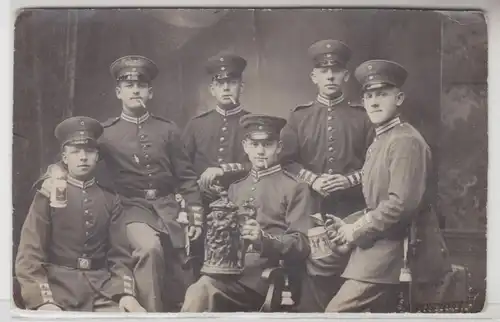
251	230
129	303
194	232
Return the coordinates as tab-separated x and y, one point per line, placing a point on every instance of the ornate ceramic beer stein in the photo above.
319	240
223	251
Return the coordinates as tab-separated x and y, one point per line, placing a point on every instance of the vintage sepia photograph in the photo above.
250	160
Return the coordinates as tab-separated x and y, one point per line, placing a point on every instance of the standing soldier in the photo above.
325	142
213	138
395	177
73	254
283	208
148	164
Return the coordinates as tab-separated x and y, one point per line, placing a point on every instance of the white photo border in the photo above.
491	8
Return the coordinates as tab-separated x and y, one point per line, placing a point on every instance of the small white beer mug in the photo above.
58	193
319	242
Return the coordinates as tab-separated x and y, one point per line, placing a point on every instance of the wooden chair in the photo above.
279	296
460	297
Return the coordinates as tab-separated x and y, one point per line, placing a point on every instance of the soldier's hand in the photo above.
49	307
46	187
333	223
194	232
342	248
129	303
336	182
208	176
318	185
211	193
344	234
251	230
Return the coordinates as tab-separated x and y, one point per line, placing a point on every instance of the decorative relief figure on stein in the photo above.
222	241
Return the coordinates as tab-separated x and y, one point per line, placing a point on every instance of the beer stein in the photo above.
319	242
223	253
58	193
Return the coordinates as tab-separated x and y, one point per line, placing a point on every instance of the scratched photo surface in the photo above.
250	160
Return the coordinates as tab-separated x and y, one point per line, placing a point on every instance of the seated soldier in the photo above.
395	177
72	256
283	207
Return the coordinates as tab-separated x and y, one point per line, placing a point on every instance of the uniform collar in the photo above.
262	173
135	120
387	126
81	184
232	111
325	101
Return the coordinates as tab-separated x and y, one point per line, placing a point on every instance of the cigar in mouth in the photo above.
142	103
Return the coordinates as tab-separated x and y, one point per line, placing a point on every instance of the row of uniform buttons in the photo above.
145	145
89	219
253	188
330	138
222	141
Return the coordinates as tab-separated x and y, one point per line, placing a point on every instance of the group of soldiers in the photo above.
117	243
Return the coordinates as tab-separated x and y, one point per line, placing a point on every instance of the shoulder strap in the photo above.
110	121
203	114
302	106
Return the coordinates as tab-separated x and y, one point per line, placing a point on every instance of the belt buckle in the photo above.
84	263
151	194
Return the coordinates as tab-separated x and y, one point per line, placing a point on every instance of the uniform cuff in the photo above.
355	177
307	176
128	285
197	216
270	244
36	299
360	227
232	167
46	293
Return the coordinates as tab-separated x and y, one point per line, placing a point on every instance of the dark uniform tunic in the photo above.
77	256
213	139
283	212
148	163
395	177
328	137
